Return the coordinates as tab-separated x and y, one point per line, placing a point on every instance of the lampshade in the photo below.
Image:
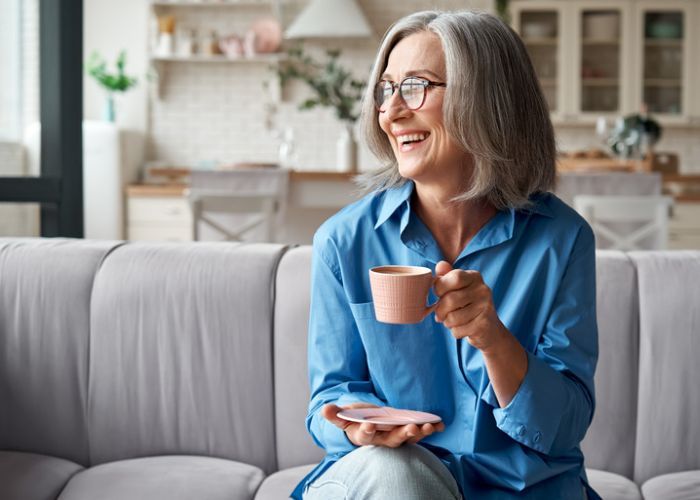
330	19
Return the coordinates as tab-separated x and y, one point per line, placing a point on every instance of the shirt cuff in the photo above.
531	417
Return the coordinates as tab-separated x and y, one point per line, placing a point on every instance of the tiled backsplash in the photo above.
216	112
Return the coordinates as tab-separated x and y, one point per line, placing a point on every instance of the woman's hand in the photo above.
466	307
363	434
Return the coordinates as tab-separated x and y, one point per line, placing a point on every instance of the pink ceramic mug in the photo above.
400	293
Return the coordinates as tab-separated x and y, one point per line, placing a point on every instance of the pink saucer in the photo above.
387	418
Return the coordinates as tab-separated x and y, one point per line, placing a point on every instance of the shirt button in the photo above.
521	430
537	437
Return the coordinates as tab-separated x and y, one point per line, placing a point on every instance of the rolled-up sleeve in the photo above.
554	404
338	370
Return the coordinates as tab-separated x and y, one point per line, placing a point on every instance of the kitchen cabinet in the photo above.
160	214
607	57
684	226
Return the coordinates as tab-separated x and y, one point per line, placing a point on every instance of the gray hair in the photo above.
493	107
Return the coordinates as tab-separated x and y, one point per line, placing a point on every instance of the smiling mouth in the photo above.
410	139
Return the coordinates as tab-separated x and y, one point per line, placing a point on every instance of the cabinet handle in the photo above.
173	211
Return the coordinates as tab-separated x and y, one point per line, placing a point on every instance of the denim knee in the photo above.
409	472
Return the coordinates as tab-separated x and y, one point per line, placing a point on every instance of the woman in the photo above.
507	360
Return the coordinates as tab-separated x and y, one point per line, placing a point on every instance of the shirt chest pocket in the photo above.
407	363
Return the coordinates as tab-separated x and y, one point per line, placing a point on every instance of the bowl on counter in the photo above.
664	29
538	29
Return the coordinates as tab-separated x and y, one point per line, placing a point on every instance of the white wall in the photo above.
111	26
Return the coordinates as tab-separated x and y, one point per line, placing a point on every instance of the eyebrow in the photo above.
414	72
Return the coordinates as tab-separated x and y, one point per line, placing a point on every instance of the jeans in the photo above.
409	472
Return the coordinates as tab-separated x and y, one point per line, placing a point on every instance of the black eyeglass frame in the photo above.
394	85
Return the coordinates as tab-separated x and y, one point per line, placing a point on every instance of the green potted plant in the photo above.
118	81
332	86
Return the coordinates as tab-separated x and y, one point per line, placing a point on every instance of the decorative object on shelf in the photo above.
186	42
635	135
601	26
265	35
166	30
231	46
333	87
112	82
210	45
330	19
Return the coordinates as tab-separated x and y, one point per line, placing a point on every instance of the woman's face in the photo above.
424	150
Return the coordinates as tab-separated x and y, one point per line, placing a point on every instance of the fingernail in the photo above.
369	433
410	434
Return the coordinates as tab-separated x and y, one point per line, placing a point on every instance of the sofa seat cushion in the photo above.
611	486
675	486
166	478
280	484
33	477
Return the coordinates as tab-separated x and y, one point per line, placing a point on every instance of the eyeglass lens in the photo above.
411	90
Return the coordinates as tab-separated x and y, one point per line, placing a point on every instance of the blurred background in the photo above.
236	119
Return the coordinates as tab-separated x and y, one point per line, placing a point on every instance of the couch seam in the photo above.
273	304
109	252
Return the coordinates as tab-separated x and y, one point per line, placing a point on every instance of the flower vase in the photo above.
346	159
109	114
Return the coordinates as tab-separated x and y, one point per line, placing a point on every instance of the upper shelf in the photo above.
214	3
260	58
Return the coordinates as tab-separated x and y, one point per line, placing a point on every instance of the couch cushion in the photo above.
166	478
676	486
611	486
181	352
26	476
668	434
281	484
45	288
609	443
294	444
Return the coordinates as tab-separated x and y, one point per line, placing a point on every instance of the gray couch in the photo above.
177	371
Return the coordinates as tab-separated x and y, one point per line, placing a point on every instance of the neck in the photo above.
453	224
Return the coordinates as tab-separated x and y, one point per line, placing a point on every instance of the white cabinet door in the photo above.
602	77
663	58
159	218
541	25
684	226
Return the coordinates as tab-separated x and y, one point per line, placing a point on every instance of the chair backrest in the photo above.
627	222
236	205
255	210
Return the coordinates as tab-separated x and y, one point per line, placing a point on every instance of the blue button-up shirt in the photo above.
540	265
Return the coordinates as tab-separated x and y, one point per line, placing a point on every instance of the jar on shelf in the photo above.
210	45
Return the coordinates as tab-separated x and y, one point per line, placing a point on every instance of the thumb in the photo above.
442	268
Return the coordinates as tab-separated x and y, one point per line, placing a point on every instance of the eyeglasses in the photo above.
412	91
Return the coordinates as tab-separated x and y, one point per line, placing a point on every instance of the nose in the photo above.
395	107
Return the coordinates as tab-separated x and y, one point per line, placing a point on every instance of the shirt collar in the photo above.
395	197
392	200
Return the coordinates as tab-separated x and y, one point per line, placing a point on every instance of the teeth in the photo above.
403	139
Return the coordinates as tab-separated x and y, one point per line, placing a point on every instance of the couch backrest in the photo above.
668	412
294	445
610	442
181	352
45	288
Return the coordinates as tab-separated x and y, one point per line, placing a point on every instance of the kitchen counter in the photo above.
161	211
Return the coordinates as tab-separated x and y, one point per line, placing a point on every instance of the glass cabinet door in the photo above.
600	63
539	30
662	60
